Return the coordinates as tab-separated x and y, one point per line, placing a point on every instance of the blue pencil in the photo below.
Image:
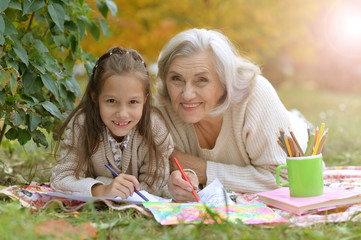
135	190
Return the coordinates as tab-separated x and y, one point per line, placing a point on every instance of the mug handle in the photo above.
278	176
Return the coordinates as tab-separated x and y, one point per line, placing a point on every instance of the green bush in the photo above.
39	46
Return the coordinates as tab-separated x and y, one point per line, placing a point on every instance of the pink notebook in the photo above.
331	198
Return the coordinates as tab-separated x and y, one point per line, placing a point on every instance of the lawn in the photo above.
341	112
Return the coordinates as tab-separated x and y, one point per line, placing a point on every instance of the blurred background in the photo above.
313	44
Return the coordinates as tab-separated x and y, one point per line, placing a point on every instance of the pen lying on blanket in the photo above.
186	178
136	191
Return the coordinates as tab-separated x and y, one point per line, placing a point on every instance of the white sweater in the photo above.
246	153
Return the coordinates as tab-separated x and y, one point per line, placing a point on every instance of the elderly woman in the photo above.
223	115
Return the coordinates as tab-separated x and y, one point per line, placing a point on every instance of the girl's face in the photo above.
121	103
194	86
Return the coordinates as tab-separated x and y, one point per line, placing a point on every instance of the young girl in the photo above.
114	124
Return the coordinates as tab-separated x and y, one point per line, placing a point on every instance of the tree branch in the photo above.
2	132
31	21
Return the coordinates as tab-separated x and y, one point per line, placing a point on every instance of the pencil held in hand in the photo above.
186	178
135	190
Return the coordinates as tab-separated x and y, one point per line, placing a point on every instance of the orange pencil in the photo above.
186	178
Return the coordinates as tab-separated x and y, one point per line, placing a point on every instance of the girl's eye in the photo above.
133	101
111	101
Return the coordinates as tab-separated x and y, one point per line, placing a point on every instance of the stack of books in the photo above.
332	198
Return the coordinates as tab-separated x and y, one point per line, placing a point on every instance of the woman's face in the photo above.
194	86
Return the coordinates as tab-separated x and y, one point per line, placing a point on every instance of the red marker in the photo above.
186	178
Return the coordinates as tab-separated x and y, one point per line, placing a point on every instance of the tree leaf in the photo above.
72	85
60	41
32	5
34	121
15	5
112	7
23	136
103	8
81	27
51	108
39	45
9	27
73	43
39	137
32	83
56	12
21	53
28	39
2	24
94	30
39	67
104	27
16	119
50	84
4	5
11	134
50	64
13	83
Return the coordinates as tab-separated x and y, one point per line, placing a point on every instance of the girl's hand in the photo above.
180	189
123	186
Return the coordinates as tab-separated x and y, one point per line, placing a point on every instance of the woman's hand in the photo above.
123	186
197	164
180	189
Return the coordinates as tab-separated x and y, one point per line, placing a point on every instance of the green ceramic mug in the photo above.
305	176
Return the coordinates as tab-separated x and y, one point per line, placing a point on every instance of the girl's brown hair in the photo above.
117	61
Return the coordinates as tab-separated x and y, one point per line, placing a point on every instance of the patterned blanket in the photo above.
347	177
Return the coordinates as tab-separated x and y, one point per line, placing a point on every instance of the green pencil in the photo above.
310	144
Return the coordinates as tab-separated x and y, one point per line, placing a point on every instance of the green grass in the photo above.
18	165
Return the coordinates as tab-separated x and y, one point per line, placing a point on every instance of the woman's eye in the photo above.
111	101
175	78
203	80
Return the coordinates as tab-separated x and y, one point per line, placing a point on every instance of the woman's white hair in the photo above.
234	72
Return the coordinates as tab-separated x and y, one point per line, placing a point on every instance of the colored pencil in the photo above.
288	147
319	135
296	142
310	145
282	134
322	142
186	178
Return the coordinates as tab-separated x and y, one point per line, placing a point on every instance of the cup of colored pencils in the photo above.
316	141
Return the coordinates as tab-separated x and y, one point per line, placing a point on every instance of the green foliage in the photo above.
40	44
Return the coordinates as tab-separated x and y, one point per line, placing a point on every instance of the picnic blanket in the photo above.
344	177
